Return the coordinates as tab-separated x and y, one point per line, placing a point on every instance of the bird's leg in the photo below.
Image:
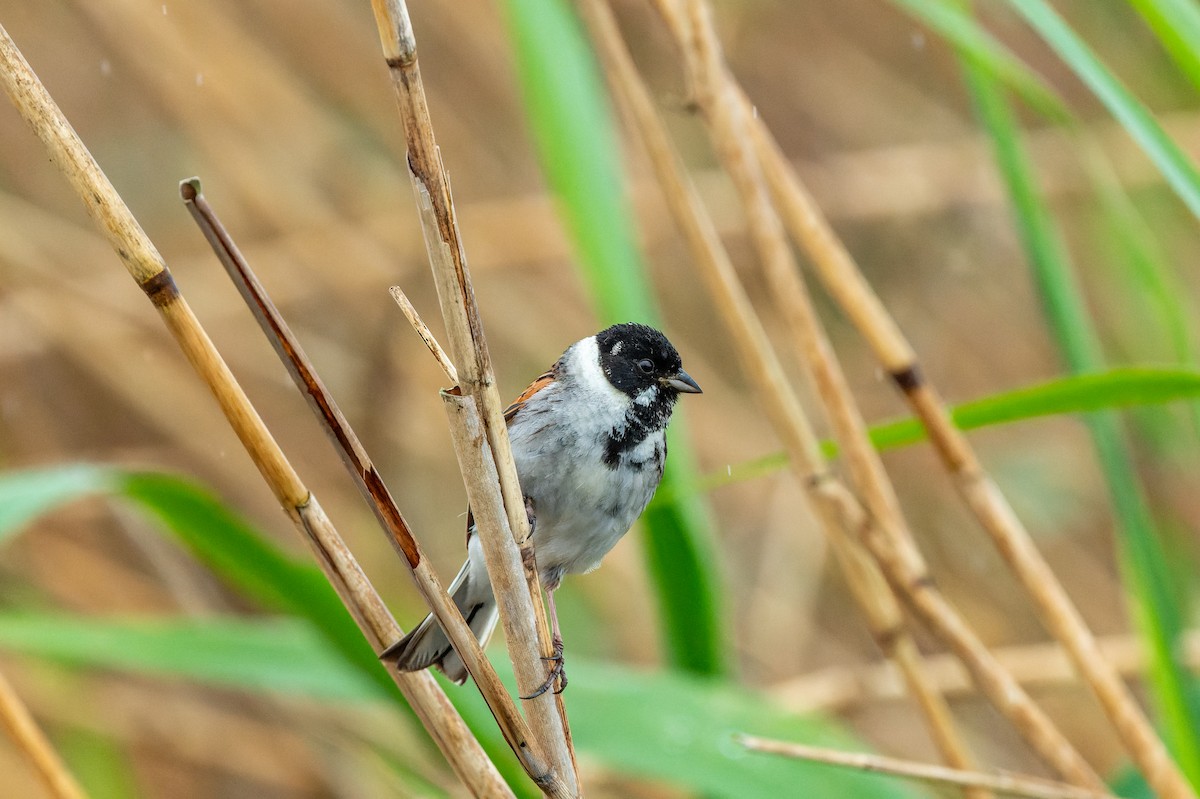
556	643
530	515
557	674
557	671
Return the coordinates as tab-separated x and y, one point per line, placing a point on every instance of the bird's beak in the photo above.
682	382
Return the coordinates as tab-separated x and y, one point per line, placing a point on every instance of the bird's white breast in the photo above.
581	505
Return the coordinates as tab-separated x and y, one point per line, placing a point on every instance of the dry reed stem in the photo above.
148	269
369	482
508	550
846	284
1037	665
914	585
30	740
1011	784
728	126
901	563
422	330
868	586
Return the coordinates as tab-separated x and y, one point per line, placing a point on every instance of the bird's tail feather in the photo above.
427	645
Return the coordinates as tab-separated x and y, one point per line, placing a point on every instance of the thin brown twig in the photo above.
30	740
846	284
370	483
148	269
422	330
1011	784
783	409
508	549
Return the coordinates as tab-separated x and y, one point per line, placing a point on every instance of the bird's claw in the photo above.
557	673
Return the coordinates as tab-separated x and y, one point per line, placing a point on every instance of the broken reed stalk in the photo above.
846	284
150	272
905	571
30	740
422	329
1010	784
869	588
370	483
508	550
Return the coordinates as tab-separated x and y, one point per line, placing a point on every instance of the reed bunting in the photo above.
589	444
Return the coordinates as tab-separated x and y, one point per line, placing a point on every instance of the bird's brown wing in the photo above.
543	380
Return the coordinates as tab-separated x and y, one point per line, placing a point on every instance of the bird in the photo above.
589	442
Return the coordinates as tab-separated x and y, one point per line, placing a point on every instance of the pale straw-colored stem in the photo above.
32	742
514	576
1010	784
148	269
848	287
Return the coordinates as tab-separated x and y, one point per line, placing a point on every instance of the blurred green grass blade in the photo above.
1171	161
1147	579
1116	388
1128	783
678	728
243	556
218	538
577	147
963	32
223	541
1143	267
99	762
279	656
668	727
235	551
1176	23
1148	266
1120	387
27	494
685	737
682	560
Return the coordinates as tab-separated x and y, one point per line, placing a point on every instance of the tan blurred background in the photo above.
284	110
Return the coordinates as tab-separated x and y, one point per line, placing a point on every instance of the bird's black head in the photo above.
636	357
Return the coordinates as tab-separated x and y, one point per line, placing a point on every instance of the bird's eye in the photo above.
646	366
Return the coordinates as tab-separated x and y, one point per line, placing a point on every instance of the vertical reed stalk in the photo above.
508	549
